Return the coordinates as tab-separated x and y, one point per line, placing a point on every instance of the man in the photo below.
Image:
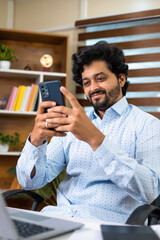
111	154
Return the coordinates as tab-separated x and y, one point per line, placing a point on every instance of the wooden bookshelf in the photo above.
28	46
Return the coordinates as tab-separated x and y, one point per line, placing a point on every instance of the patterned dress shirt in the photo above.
106	184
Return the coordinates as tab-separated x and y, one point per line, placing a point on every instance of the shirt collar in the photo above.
118	107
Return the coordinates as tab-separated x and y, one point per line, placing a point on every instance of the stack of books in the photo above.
23	98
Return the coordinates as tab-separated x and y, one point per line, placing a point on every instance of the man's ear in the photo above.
122	79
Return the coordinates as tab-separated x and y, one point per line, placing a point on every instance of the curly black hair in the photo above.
112	55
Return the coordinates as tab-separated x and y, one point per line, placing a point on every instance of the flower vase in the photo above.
4	147
4	64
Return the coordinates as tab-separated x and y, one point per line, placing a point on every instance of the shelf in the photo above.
10	153
7	112
28	46
30	74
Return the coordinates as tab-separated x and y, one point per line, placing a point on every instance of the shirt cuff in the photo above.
29	147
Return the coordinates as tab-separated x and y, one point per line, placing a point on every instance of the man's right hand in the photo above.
40	131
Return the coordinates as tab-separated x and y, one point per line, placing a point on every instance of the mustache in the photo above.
97	91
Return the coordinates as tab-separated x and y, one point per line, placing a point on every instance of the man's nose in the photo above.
94	85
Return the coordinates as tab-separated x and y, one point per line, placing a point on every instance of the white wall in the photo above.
3	13
55	14
40	14
107	7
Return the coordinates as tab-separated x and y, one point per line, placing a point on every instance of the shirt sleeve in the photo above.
138	176
48	160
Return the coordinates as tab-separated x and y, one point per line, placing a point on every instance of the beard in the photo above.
107	101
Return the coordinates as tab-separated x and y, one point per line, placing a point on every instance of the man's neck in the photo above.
101	112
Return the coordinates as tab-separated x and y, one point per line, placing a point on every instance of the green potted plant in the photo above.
6	56
7	140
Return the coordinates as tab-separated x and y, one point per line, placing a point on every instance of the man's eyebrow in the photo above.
100	73
84	79
94	76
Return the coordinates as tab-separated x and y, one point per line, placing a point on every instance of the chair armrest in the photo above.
36	198
142	213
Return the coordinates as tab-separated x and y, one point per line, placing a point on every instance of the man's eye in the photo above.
86	83
101	78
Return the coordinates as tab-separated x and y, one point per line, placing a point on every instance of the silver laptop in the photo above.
16	224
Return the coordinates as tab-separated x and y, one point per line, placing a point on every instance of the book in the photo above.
19	100
25	98
29	97
33	96
16	100
12	98
35	104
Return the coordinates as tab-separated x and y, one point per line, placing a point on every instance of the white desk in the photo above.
90	231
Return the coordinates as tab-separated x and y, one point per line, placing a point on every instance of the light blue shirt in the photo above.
106	184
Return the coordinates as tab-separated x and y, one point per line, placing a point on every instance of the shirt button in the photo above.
36	153
74	210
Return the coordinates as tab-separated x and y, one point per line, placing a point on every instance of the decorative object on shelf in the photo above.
27	67
46	61
6	56
5	64
7	140
3	102
4	147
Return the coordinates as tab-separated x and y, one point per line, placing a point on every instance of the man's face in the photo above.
101	86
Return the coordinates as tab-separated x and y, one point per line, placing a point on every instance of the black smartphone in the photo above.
50	91
132	232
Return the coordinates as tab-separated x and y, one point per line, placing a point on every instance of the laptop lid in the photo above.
8	230
114	232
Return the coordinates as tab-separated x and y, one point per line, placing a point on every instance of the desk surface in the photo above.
91	229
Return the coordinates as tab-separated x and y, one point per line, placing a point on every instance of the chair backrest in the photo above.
146	214
36	198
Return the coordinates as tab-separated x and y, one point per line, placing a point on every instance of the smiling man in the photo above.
103	89
111	154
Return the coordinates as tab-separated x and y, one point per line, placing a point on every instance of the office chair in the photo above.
36	198
147	214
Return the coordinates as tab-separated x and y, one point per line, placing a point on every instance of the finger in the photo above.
56	113
64	128
51	132
58	121
46	104
73	101
64	111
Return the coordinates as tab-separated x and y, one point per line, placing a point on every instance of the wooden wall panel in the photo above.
148	101
150	14
143	58
153	28
148	72
146	43
140	87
